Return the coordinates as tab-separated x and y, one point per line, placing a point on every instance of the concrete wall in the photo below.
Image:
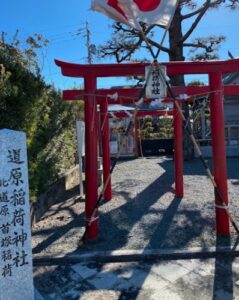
65	188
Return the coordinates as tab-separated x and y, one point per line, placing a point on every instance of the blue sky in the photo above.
59	21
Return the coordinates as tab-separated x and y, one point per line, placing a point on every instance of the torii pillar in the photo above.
178	152
105	136
219	150
91	157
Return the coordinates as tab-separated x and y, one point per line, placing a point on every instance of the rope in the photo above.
91	219
134	97
93	117
222	206
140	138
105	117
207	93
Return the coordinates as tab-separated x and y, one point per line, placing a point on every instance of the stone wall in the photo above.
60	191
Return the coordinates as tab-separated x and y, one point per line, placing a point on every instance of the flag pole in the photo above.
162	41
148	44
155	57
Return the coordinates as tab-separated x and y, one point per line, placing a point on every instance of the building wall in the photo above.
231	109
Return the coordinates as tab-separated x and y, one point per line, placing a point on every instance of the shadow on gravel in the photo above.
65	205
143	222
195	167
223	276
56	233
165	225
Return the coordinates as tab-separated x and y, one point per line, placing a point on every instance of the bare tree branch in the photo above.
233	5
203	10
196	12
125	41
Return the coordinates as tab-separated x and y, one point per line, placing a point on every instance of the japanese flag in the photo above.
130	12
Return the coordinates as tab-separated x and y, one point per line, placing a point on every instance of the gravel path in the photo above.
143	214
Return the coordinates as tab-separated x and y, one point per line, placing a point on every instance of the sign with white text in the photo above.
156	87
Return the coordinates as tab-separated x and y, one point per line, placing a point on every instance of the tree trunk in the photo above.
176	49
176	54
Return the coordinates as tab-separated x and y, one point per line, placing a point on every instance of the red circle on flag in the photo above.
143	5
148	5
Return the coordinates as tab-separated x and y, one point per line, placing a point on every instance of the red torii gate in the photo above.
90	73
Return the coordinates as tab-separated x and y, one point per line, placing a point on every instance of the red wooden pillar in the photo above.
91	156
219	150
178	152
105	148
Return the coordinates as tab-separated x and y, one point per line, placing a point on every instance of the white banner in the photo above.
131	12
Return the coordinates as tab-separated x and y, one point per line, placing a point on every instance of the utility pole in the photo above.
91	48
88	44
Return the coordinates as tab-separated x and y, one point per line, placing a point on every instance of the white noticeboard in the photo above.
156	87
113	147
80	129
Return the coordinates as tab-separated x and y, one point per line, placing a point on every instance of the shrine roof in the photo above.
118	107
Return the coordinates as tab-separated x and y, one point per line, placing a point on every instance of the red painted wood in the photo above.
91	157
178	153
132	94
129	69
105	136
219	150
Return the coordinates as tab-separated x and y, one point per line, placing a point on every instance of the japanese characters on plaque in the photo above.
15	229
156	87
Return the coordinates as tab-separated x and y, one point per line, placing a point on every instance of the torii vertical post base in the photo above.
219	151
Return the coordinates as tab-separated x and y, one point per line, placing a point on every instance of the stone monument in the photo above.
16	279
